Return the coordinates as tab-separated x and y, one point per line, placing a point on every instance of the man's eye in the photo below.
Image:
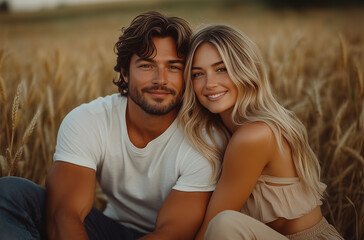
175	67
145	66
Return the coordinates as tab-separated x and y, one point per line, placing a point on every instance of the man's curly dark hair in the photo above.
137	39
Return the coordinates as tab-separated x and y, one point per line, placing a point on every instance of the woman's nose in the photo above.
210	81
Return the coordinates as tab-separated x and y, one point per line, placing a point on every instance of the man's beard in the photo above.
154	109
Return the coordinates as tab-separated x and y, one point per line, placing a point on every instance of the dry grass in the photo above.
315	60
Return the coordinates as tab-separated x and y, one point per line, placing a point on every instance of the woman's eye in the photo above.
221	70
196	75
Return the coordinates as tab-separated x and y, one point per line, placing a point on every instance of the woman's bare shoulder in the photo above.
252	141
249	150
253	133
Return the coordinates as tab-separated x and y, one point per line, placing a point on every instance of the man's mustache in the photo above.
162	88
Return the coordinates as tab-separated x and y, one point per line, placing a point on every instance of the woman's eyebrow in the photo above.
217	63
213	65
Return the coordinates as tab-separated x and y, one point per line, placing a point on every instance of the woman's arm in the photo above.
246	155
180	215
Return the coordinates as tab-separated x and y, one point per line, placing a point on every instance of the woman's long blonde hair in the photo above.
255	102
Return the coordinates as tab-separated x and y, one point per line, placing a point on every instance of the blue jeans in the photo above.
22	214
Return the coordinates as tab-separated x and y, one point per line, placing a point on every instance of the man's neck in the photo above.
144	127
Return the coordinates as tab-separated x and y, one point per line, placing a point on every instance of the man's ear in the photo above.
124	74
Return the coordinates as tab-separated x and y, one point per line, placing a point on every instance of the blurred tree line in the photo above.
297	4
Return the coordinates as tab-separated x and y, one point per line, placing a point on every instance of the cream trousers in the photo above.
234	225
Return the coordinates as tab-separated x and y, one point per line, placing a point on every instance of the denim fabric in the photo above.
22	207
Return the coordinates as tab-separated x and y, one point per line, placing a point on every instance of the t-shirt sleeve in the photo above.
79	140
196	174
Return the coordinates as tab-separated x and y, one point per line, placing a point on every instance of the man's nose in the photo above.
160	76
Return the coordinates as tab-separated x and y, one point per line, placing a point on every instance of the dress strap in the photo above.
278	180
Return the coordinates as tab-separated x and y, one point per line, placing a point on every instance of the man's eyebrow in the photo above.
141	59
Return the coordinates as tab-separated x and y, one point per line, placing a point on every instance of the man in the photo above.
156	184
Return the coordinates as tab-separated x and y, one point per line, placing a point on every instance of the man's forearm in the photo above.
64	226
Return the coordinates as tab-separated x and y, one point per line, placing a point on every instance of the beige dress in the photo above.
290	200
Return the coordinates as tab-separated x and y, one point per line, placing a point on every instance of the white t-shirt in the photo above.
136	181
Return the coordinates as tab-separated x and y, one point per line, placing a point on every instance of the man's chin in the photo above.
156	105
159	110
159	100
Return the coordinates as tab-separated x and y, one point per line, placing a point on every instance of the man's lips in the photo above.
158	91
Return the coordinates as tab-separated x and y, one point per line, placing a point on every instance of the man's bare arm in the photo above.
70	197
180	216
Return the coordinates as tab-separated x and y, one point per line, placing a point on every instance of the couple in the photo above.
155	149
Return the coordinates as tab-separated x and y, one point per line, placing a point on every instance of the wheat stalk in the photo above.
339	115
5	110
359	78
342	141
2	56
15	114
339	178
47	67
316	91
285	61
64	97
51	114
344	52
356	217
354	154
2	90
360	121
30	128
17	157
9	158
3	166
79	80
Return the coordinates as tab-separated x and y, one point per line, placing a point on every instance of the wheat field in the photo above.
51	62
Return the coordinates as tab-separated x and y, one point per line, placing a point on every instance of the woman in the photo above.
270	176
